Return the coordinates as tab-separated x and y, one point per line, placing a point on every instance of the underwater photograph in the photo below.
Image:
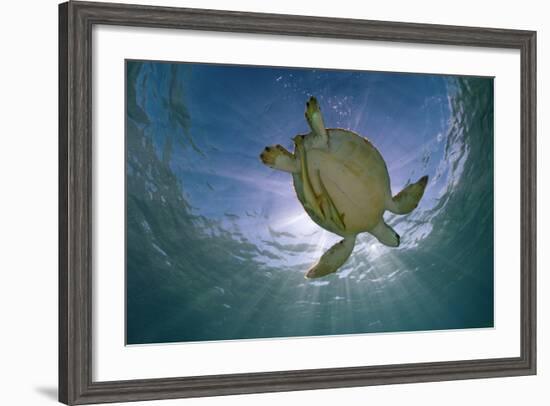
272	202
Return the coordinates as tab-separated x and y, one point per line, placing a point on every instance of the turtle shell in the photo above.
348	175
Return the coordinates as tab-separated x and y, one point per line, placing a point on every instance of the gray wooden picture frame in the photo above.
76	20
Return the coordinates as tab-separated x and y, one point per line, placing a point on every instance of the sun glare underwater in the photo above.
218	243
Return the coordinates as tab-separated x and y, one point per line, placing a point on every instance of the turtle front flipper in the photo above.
315	120
333	259
406	201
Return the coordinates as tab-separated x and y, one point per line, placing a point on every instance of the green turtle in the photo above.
343	184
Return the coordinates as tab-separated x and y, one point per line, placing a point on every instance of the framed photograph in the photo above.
256	202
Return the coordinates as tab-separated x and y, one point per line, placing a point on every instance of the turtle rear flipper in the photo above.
277	157
315	120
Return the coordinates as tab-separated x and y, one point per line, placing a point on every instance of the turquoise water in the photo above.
217	243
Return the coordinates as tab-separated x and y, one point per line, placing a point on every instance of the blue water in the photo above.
217	243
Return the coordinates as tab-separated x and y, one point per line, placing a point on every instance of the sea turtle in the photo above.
342	181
